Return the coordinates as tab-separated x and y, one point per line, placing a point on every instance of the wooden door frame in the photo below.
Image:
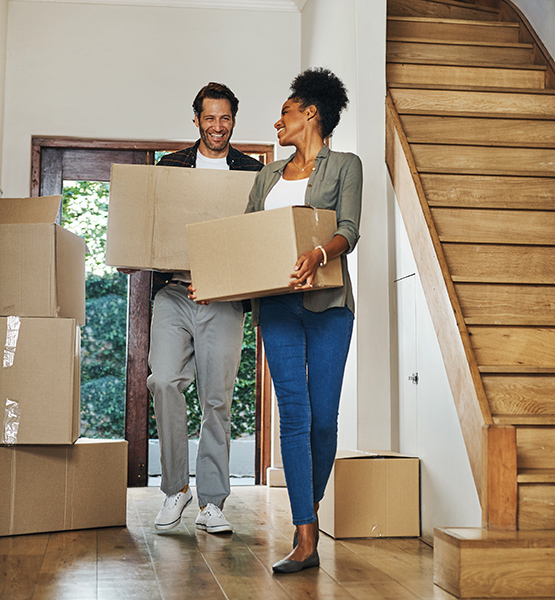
50	181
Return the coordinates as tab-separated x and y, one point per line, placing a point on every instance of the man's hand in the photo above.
128	271
192	295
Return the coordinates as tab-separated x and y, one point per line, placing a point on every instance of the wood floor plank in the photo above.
138	562
489	191
69	568
20	562
481	76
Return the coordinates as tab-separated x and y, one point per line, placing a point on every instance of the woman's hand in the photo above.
128	271
192	296
305	269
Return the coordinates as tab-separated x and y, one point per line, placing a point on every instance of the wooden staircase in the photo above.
471	153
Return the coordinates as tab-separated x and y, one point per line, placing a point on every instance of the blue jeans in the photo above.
306	354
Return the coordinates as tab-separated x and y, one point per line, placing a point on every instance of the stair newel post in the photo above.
499	483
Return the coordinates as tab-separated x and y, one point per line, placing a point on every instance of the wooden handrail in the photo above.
462	369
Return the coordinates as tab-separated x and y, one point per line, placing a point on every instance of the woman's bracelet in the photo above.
325	259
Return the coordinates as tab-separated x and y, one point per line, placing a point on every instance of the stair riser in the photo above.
452	31
496	304
487	132
507	104
489	191
501	264
424	8
480	160
520	394
517	347
495	573
465	76
415	52
495	226
536	446
536	506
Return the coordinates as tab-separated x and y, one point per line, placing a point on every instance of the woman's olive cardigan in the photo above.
335	184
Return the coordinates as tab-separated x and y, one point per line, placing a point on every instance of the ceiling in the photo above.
272	5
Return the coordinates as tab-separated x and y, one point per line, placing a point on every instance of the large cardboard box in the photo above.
42	265
57	488
253	255
372	495
150	207
39	381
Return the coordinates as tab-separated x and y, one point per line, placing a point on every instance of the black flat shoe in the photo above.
294	566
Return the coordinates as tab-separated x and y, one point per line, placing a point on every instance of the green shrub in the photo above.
103	338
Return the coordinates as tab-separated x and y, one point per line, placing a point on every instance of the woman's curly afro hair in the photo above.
323	89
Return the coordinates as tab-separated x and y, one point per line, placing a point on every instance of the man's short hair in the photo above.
215	91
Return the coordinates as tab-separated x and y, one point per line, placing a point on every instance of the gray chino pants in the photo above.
188	340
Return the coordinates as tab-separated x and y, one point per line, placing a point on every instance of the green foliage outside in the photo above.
103	338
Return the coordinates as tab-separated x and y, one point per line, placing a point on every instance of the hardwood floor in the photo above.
136	562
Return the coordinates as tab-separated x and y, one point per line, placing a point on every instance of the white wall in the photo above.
428	423
342	36
3	43
131	72
541	14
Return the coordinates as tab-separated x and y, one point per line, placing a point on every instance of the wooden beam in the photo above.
137	394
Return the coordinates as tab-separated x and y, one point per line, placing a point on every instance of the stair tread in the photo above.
536	476
498	144
512	24
515	369
524	420
472	88
477	537
468	64
417	40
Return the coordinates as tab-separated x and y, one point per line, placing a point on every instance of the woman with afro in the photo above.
307	333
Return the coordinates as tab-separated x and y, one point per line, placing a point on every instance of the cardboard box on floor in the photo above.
253	255
58	488
42	265
39	381
150	207
372	495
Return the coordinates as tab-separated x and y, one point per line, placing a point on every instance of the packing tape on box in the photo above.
12	416
12	334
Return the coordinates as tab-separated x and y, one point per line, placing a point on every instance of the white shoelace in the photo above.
173	498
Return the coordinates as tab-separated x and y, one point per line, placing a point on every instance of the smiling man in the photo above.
190	340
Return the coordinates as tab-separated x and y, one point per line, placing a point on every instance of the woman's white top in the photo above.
286	193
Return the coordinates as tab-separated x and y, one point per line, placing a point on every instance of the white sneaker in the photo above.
170	513
212	519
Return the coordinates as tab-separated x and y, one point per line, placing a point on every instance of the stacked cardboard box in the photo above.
50	480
